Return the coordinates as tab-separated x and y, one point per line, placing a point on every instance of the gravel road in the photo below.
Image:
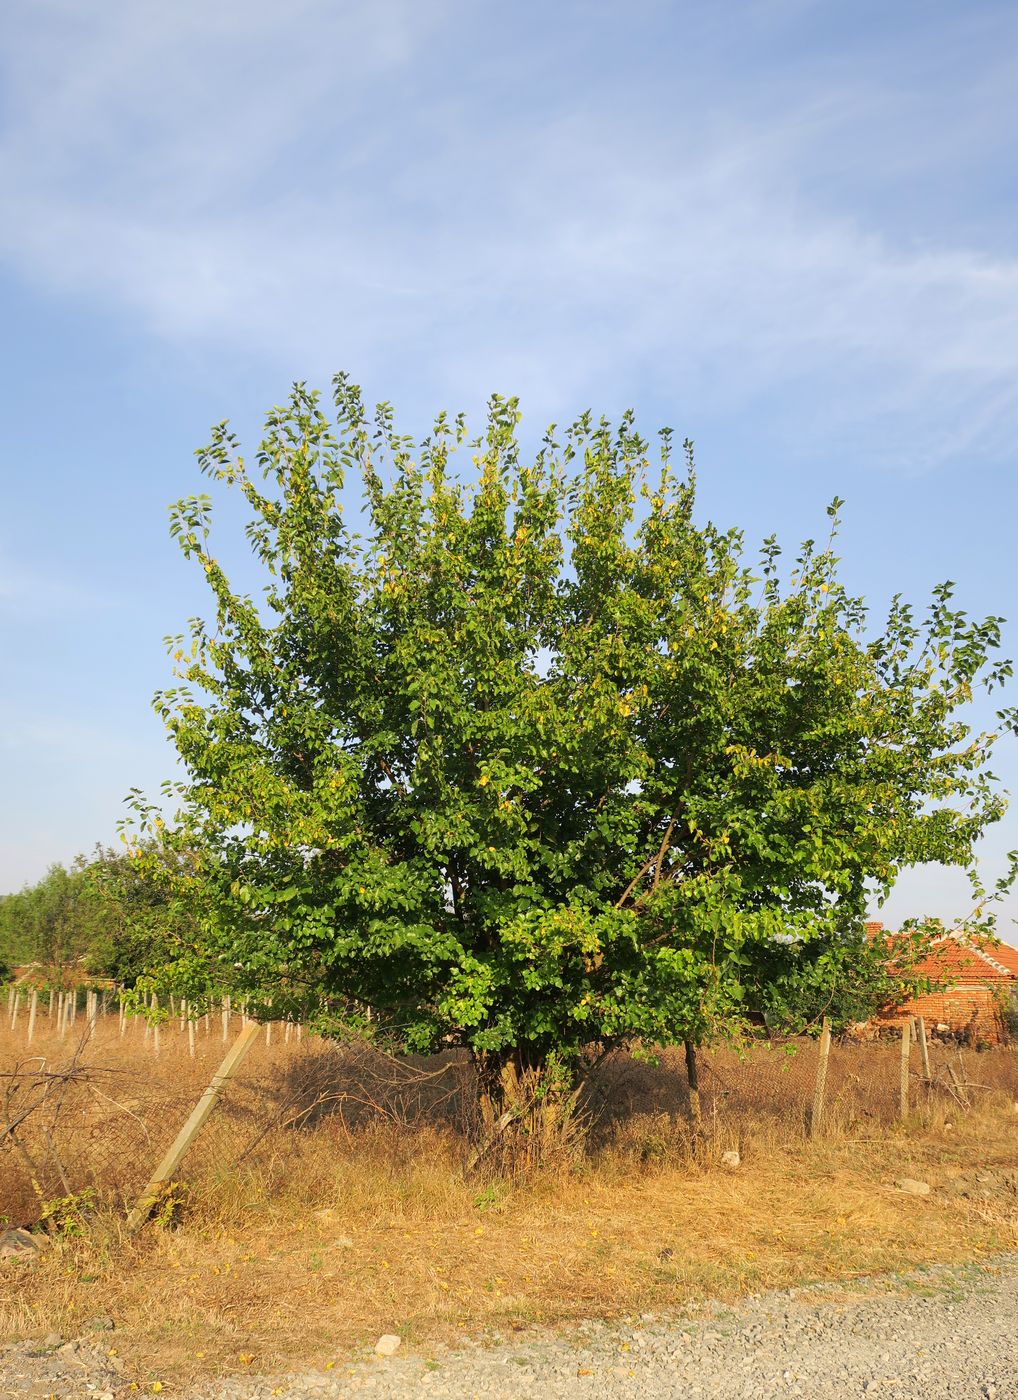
947	1332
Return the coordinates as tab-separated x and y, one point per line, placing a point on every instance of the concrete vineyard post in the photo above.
906	1047
14	1013
33	1007
820	1087
226	1019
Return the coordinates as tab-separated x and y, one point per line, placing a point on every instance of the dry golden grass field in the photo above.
328	1199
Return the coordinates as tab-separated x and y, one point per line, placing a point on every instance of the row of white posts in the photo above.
63	1007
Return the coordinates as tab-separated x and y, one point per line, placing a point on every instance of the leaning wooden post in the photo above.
188	1132
693	1078
924	1049
906	1047
820	1087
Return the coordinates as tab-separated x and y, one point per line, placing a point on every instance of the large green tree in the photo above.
530	757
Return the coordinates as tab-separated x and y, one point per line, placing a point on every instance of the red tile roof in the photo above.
1004	953
958	959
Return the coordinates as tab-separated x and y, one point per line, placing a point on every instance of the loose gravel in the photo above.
940	1334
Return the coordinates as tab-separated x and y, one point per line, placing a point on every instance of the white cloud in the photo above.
305	184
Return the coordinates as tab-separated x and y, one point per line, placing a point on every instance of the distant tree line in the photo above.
102	915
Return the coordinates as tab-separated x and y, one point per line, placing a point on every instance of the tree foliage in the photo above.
104	915
50	922
535	758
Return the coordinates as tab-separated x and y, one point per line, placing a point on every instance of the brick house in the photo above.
976	982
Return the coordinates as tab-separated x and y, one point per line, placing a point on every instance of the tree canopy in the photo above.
529	757
104	915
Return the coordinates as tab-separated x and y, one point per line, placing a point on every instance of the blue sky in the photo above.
785	228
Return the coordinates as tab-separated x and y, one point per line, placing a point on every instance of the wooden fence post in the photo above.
924	1049
188	1132
820	1087
906	1046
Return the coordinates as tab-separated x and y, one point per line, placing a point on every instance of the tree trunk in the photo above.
693	1076
499	1073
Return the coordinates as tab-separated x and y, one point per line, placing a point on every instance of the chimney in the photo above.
873	927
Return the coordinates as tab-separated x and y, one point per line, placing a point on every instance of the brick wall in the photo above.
969	1008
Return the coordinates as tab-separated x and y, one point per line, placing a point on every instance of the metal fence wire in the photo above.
87	1110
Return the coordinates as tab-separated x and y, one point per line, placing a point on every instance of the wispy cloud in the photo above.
329	186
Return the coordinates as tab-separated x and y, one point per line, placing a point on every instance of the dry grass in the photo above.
298	1244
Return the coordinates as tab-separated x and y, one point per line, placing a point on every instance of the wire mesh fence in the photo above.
89	1104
